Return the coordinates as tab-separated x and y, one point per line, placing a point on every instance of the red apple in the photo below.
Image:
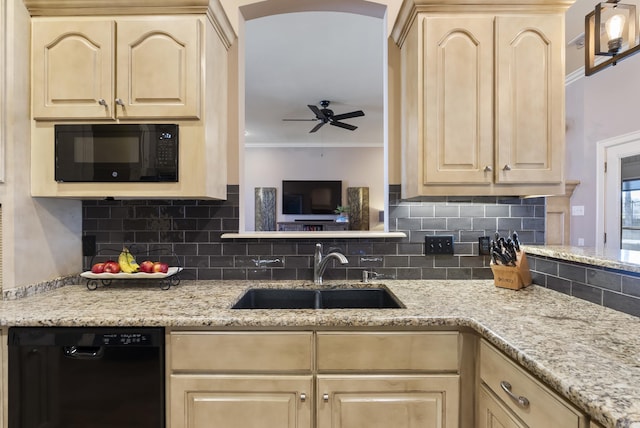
160	267
111	266
146	266
97	268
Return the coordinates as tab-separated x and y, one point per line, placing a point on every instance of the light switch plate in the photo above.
577	210
438	244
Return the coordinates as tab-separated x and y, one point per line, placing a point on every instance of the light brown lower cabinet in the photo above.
510	397
313	380
353	379
429	401
215	401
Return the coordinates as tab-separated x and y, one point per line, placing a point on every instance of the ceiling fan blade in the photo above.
299	120
348	115
317	112
318	126
344	125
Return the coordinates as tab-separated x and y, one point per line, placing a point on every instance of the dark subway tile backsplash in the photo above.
615	289
191	230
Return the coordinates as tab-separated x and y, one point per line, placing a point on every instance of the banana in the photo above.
127	262
132	262
123	261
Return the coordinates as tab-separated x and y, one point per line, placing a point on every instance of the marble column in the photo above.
358	202
265	208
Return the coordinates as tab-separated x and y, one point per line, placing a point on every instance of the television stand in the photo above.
311	225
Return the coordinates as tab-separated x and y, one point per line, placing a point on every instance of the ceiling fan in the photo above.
325	115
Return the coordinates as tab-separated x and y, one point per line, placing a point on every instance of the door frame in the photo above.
4	36
609	153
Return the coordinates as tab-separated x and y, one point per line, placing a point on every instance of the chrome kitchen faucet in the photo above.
320	263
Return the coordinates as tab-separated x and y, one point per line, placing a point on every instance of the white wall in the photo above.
356	167
598	107
40	237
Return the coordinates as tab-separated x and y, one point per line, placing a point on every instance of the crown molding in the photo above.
114	7
211	8
574	76
411	8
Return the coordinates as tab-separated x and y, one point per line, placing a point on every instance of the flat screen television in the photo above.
311	196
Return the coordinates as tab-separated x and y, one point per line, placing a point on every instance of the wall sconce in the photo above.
611	31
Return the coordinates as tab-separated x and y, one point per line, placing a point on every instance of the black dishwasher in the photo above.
85	377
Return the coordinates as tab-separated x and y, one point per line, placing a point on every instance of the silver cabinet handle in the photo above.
102	102
488	169
507	167
325	398
119	102
519	399
303	397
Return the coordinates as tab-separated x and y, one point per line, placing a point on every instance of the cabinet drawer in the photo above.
545	408
247	352
388	351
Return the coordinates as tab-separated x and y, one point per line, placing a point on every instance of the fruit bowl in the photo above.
166	280
135	275
155	266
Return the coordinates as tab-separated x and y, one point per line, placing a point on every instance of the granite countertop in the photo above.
587	353
624	260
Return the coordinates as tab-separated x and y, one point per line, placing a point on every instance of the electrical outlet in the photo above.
484	245
438	244
89	245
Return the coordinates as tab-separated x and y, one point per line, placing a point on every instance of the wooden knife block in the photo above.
513	277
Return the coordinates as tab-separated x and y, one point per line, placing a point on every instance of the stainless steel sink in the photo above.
331	298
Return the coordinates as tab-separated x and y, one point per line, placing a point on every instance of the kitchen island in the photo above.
587	353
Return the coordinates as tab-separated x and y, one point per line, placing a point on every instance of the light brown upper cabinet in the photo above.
142	69
124	68
482	100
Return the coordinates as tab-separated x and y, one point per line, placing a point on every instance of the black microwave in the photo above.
116	153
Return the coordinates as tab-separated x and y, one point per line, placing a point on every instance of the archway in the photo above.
242	13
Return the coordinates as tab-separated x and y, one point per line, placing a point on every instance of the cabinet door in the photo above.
158	68
210	401
530	99
525	397
388	401
493	414
73	66
458	100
